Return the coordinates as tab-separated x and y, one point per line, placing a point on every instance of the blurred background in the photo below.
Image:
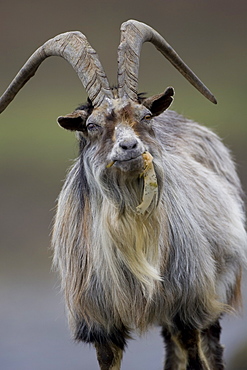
35	153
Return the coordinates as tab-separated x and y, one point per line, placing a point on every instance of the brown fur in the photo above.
178	264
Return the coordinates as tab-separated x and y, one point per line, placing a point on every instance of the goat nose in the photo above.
128	144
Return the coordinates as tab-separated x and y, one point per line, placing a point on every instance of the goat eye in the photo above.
92	127
147	117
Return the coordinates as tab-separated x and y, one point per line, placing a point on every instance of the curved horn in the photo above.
73	47
133	35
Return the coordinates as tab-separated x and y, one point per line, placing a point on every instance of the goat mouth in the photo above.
128	165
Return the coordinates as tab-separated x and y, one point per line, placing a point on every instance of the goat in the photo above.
149	228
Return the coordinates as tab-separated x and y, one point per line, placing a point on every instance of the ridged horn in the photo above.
73	47
133	35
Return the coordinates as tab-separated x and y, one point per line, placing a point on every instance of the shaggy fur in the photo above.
178	265
150	223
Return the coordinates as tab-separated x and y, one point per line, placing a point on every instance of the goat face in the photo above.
115	135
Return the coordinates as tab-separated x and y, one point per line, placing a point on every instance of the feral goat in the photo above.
149	228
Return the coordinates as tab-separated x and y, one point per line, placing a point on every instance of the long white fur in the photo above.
184	256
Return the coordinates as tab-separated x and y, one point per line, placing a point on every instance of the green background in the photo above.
34	152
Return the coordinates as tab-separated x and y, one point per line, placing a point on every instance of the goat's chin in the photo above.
134	166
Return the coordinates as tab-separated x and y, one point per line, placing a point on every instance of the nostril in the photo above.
128	144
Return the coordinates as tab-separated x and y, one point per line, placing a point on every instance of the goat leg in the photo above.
212	348
109	356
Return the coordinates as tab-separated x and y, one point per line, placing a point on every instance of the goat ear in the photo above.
159	103
74	121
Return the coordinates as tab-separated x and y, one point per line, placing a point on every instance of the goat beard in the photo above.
106	240
133	236
122	191
150	188
136	192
